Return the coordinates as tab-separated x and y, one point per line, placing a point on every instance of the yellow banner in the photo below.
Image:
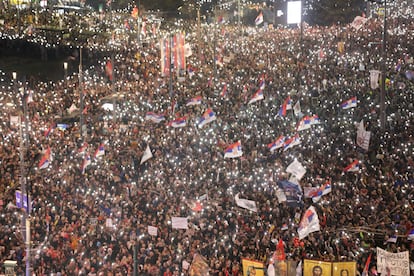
344	269
252	268
316	268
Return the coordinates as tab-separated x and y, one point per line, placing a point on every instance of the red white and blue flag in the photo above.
100	151
353	167
233	151
321	191
153	117
352	102
86	162
278	143
309	223
287	104
224	90
304	123
315	120
179	122
291	142
46	159
195	101
207	117
258	96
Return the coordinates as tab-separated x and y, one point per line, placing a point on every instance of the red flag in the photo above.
280	249
365	272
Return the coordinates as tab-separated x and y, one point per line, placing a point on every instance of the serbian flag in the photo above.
259	19
278	143
353	167
352	102
323	190
411	235
153	117
194	101
304	123
207	117
109	70
86	162
309	223
315	120
258	96
179	122
224	90
100	151
287	104
46	159
233	151
291	142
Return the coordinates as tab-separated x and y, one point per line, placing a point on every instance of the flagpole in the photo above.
81	94
170	64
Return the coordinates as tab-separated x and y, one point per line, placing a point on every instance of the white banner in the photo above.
245	203
179	223
396	264
147	155
296	169
152	230
363	136
374	77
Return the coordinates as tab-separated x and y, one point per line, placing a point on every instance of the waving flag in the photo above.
49	130
233	151
257	96
153	117
315	120
262	83
147	155
245	203
309	223
46	159
86	162
179	122
207	117
353	167
259	19
194	101
352	102
297	109
321	191
287	104
411	235
291	142
304	123
366	267
100	151
278	143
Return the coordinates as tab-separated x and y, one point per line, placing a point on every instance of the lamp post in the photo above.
383	68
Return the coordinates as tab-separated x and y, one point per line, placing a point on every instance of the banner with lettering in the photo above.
393	263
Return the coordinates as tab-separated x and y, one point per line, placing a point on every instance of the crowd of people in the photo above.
93	201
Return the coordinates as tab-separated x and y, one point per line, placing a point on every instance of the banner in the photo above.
393	263
179	223
245	203
152	230
252	267
363	136
292	191
312	267
344	269
296	169
374	77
